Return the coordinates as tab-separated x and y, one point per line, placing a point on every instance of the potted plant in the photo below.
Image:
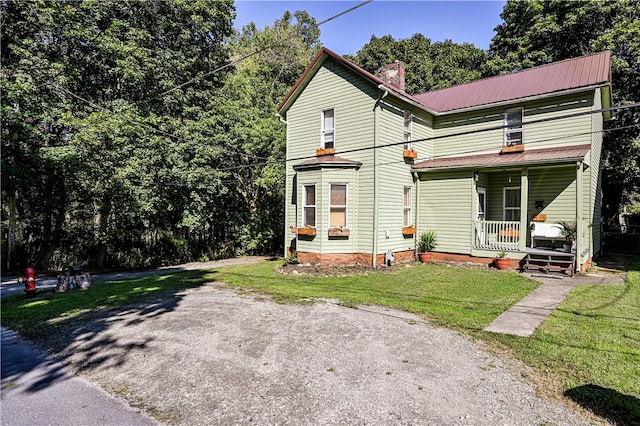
569	230
426	243
502	261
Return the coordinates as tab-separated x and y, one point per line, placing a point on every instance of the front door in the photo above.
480	215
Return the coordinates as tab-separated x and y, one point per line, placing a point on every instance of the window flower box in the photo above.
508	149
311	232
408	230
409	154
325	151
338	232
540	217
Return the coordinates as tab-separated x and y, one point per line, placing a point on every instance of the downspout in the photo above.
416	179
376	134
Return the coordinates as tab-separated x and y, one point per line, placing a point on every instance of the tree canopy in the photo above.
140	133
429	66
129	140
538	32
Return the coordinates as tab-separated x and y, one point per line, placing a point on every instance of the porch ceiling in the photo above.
529	157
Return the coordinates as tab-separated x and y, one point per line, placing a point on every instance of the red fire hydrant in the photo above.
29	281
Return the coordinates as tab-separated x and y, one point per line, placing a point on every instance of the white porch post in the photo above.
579	227
524	202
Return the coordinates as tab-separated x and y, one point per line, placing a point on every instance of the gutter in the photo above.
501	166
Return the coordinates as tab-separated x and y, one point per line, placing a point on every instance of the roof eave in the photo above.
526	99
336	165
501	166
407	98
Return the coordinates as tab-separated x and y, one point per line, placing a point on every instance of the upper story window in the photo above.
328	128
407	216
338	206
513	129
512	203
408	129
309	205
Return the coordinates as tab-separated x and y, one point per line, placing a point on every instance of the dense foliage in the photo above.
537	32
126	139
140	133
429	66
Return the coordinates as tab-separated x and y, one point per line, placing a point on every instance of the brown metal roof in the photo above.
534	156
585	71
326	161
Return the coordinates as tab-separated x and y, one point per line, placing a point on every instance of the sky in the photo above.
459	21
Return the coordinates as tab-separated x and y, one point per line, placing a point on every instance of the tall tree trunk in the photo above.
11	238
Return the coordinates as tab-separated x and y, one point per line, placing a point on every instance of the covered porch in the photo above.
515	193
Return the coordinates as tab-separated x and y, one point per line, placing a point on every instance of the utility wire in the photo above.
245	57
242	166
145	125
149	127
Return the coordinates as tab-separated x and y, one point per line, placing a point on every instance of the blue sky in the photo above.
460	21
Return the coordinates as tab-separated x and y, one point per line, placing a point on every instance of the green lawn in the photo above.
589	349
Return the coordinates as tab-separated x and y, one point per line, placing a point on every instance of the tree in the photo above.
429	66
92	128
253	92
539	32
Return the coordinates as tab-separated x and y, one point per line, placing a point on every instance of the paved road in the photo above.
35	390
10	286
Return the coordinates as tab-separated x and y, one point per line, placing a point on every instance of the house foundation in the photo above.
352	259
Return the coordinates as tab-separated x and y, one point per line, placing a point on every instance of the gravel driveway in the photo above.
213	355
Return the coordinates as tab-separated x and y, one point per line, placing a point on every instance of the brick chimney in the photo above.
393	74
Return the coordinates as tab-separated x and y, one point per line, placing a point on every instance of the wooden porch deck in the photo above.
549	260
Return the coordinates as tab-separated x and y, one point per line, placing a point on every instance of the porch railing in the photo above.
497	235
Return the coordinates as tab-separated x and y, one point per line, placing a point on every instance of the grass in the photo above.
588	349
41	315
461	297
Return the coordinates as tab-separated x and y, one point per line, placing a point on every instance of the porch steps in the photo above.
549	261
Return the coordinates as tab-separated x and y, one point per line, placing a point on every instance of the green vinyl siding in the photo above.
352	98
394	174
467	134
475	140
556	187
558	131
446	202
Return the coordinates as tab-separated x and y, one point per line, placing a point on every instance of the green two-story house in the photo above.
370	167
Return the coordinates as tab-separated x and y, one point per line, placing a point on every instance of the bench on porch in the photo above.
549	261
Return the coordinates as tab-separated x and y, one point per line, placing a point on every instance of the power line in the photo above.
245	57
486	129
145	125
156	130
275	161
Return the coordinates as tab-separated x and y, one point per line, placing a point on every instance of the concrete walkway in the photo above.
523	318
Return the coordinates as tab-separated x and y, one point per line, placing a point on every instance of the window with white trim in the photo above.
338	205
309	205
513	131
328	128
408	129
511	203
407	216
